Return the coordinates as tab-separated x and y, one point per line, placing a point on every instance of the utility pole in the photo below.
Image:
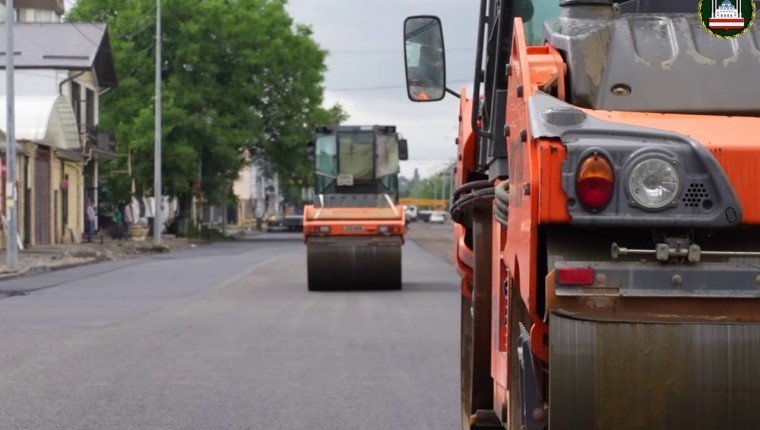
435	192
11	234
157	222
446	190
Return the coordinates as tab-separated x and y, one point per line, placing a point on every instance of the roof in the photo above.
67	46
46	120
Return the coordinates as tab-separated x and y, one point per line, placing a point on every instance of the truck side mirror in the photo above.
311	151
425	59
403	150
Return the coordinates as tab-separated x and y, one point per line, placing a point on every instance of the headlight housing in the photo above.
654	183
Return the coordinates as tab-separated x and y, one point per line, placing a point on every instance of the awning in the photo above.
44	120
71	155
102	154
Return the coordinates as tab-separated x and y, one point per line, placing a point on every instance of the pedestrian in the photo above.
118	222
129	219
91	217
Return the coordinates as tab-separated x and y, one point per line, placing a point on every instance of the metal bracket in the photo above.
664	252
534	412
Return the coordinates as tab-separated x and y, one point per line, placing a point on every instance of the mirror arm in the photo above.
452	92
478	68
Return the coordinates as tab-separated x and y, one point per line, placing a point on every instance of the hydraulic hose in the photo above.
501	206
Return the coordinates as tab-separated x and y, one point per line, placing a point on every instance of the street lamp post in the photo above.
157	221
11	233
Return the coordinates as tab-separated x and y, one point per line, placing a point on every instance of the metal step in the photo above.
484	420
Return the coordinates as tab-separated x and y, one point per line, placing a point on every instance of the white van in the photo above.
411	213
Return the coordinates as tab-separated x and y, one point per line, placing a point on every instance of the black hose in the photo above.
501	208
474	185
462	204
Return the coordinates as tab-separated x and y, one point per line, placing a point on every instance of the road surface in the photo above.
226	336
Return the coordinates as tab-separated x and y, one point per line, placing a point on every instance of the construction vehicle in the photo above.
607	213
355	229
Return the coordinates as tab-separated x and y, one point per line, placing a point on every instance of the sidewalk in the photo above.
43	259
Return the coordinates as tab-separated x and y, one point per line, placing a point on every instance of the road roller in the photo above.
355	228
607	212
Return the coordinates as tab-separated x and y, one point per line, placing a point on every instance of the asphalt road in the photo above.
226	336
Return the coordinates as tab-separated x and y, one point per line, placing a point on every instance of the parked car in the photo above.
411	213
437	217
424	215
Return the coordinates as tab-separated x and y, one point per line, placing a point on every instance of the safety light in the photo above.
384	229
578	277
654	183
324	229
595	182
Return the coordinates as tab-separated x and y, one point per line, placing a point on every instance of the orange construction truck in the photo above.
355	228
608	213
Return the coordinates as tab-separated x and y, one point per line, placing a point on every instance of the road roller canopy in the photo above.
361	160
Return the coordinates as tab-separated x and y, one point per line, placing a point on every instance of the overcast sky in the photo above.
366	67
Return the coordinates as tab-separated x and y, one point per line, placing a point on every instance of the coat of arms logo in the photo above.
727	19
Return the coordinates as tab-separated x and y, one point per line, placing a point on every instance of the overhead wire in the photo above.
387	51
383	87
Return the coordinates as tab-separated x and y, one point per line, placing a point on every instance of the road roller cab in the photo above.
355	228
608	213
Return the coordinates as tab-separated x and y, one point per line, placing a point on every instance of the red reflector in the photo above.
576	277
595	193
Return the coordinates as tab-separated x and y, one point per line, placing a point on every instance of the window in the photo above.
90	106
326	152
326	157
41	15
387	155
76	102
357	154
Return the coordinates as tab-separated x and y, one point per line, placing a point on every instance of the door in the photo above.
42	197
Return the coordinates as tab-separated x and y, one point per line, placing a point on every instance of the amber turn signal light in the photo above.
595	182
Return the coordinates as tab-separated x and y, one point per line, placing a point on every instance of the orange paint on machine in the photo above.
606	214
355	228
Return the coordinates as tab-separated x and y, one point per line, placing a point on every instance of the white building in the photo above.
726	10
35	10
726	16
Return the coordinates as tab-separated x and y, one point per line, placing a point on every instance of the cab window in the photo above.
387	155
357	155
326	155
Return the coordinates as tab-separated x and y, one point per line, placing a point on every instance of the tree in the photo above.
240	78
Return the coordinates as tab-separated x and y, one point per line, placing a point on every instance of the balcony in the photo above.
102	143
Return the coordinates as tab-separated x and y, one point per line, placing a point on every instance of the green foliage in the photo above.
437	186
239	77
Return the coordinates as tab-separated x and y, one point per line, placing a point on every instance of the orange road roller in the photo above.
355	228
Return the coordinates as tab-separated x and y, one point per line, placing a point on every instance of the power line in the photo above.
389	51
383	87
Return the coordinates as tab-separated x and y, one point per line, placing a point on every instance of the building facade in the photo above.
35	10
61	71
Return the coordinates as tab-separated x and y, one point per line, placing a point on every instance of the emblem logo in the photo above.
727	19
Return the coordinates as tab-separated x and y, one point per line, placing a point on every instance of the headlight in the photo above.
654	183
